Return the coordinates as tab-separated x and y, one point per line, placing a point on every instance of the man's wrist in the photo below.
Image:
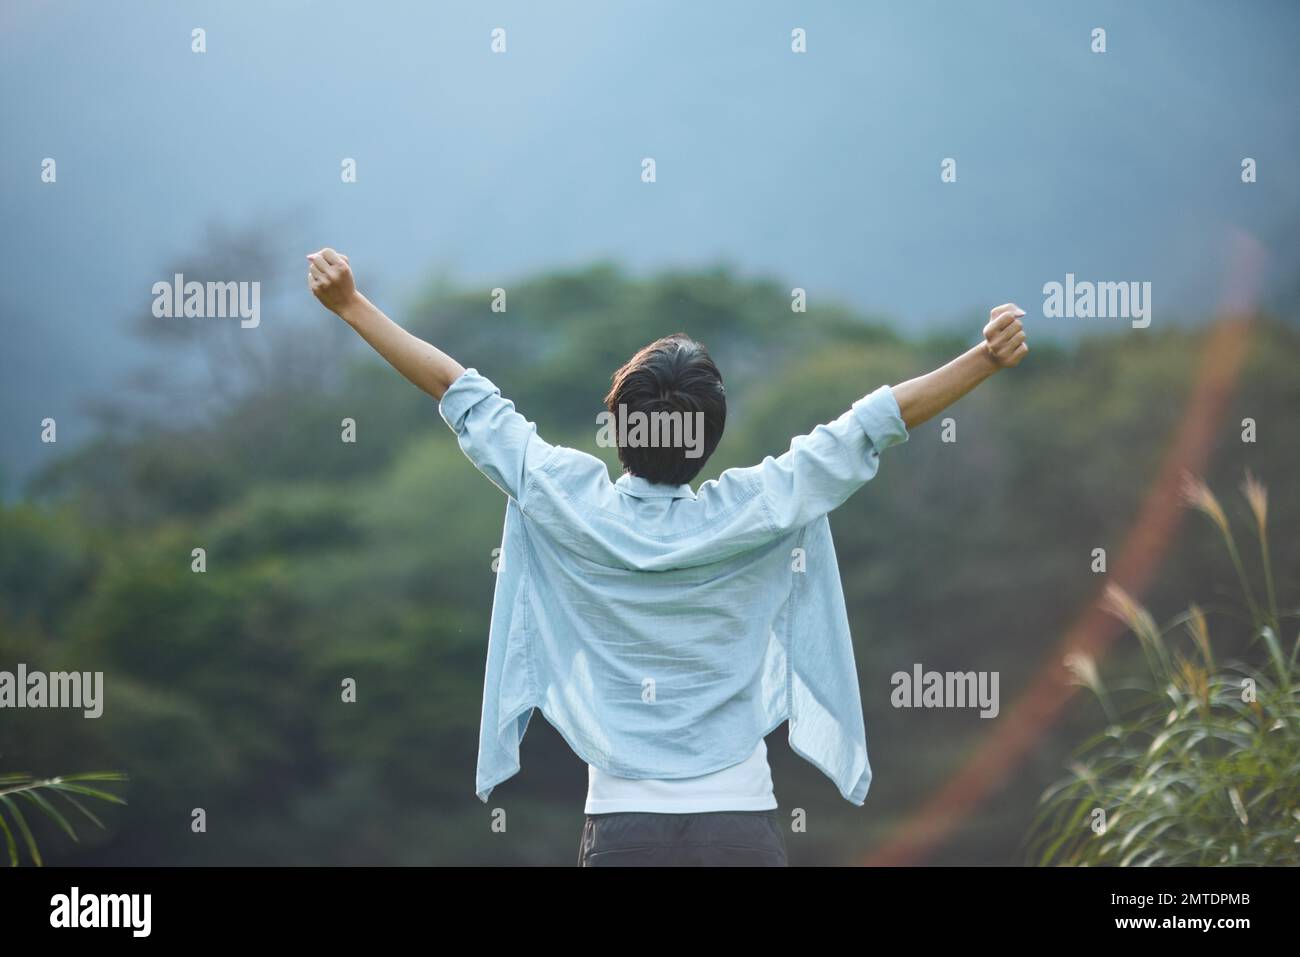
352	310
988	363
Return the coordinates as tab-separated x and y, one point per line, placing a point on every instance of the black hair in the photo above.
672	374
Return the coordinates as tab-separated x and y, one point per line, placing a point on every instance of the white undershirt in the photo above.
746	786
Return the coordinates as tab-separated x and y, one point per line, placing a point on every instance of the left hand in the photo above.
330	279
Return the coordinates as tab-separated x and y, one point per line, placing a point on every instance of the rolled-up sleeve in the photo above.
823	468
501	443
880	418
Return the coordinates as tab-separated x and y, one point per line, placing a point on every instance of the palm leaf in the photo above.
13	786
23	829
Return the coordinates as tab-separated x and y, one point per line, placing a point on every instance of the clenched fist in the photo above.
1004	336
330	279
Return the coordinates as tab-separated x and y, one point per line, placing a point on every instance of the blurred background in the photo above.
522	170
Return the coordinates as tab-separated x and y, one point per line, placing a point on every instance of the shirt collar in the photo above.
638	487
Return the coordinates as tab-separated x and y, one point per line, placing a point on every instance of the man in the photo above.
666	631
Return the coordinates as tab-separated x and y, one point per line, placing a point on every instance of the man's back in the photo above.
662	631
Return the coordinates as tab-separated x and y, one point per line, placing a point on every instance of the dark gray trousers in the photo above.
706	839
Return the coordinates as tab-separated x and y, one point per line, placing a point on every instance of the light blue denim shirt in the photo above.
662	631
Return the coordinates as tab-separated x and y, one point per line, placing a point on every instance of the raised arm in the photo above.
429	368
501	443
823	468
1004	346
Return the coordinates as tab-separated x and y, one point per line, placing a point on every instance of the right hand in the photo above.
1004	336
330	278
